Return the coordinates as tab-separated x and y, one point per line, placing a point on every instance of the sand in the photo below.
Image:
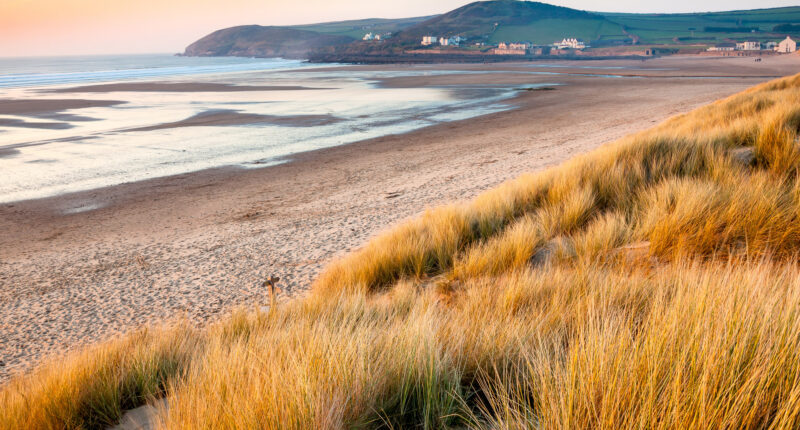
83	267
38	107
225	117
176	87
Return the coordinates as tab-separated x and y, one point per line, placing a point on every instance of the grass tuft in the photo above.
652	283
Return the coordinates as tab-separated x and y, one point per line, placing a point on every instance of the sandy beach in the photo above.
81	267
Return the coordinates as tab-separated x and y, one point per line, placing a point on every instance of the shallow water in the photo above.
44	155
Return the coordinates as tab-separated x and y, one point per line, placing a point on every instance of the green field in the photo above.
548	31
657	29
358	28
691	28
507	21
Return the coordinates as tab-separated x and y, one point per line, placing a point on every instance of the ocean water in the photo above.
50	153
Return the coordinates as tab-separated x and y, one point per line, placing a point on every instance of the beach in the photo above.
84	266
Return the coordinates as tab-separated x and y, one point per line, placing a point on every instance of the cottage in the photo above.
429	40
511	49
369	36
748	46
451	41
570	43
787	46
723	47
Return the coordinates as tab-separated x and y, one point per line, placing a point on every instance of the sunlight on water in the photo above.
49	153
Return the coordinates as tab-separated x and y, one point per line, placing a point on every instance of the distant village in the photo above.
786	46
570	45
509	48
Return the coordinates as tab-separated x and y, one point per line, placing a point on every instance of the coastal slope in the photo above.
653	280
488	23
260	41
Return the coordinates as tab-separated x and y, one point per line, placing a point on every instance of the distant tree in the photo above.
730	29
786	28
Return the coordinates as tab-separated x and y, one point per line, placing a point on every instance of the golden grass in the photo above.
652	283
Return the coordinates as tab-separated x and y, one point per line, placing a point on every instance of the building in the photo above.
369	36
570	43
450	41
511	49
519	46
748	46
787	46
723	47
429	40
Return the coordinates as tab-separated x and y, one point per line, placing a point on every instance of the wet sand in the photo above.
175	87
39	125
218	118
82	267
28	107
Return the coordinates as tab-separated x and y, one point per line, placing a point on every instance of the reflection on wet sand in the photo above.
222	117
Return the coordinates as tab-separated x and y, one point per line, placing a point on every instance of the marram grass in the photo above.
652	283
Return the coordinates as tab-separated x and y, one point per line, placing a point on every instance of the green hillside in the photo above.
547	31
496	21
511	20
357	28
715	27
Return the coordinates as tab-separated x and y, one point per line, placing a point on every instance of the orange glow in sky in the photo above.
65	27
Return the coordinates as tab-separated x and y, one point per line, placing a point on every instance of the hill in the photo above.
258	41
496	21
357	28
651	283
511	20
709	28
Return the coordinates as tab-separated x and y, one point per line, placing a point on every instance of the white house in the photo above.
429	40
748	46
511	49
516	46
369	36
723	47
450	41
570	43
787	45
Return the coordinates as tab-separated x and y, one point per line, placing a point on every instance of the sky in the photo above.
81	27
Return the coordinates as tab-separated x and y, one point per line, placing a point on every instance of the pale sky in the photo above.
77	27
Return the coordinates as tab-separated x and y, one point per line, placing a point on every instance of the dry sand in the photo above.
85	266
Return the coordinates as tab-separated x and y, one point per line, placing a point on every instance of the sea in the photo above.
49	153
44	154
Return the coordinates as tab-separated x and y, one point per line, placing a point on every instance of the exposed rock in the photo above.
746	156
142	418
545	254
634	252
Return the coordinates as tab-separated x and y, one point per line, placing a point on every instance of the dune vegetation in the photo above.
652	283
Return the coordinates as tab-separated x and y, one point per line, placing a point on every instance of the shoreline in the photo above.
80	267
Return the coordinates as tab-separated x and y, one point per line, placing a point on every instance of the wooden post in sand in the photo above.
271	283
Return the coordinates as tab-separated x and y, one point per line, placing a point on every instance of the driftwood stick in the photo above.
272	285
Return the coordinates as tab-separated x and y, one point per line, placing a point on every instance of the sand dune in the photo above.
81	267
